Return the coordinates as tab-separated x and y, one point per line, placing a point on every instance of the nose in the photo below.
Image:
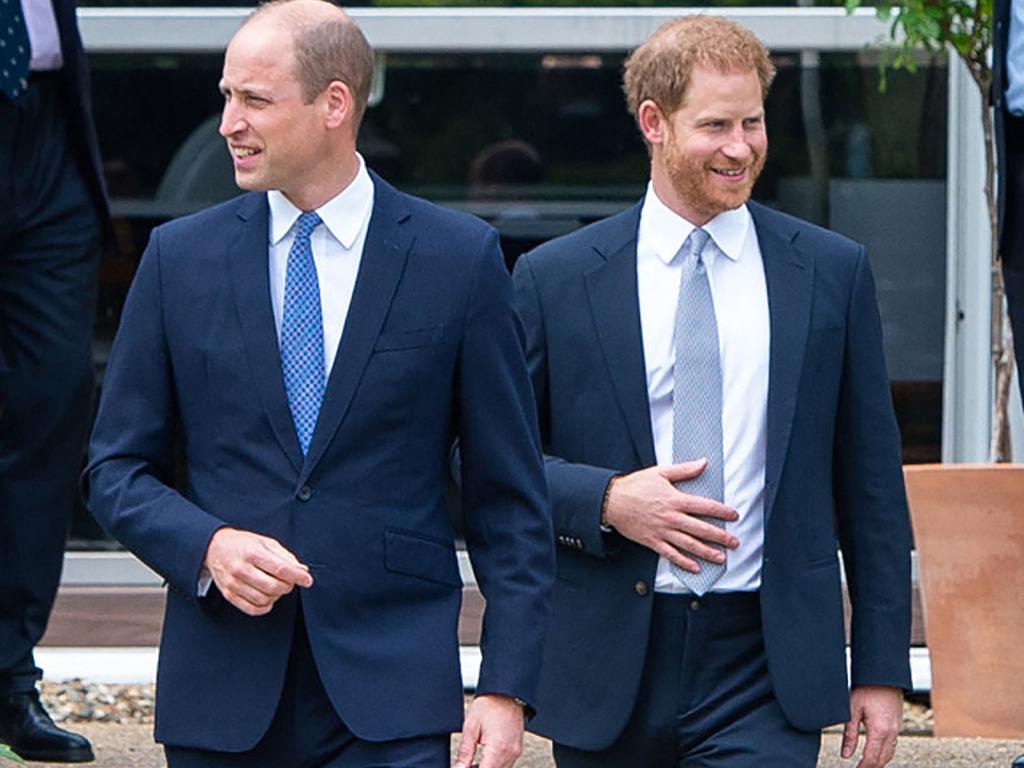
230	120
738	146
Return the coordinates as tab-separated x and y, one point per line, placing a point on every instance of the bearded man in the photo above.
717	423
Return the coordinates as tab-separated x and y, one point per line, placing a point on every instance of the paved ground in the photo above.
131	746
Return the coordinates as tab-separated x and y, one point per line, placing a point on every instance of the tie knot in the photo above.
697	239
307	223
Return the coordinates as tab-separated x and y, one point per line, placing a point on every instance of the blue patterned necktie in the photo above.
14	49
697	394
302	333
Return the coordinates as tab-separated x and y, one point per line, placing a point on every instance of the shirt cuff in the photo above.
205	581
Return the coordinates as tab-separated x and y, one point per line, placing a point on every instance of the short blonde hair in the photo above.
660	68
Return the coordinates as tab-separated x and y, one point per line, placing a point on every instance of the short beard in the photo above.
690	183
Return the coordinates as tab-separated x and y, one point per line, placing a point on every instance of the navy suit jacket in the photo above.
1010	190
832	475
74	77
431	349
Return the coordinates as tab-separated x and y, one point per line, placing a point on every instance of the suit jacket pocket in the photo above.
390	340
821	563
425	558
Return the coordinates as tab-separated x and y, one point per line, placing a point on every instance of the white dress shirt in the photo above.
337	250
43	36
740	295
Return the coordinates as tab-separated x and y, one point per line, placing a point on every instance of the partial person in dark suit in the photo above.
717	421
317	344
1008	100
53	215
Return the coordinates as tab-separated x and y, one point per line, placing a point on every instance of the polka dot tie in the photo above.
14	49
302	333
697	394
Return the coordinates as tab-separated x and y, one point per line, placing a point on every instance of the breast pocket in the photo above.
394	340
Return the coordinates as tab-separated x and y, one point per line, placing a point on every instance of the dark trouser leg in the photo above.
49	238
731	718
1013	236
705	698
306	732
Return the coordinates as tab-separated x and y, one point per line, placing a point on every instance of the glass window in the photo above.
540	144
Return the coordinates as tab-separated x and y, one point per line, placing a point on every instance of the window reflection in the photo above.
540	144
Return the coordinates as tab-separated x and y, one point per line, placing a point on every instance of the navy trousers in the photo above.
49	253
306	732
705	699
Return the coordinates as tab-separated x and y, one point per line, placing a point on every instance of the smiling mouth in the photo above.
730	173
243	152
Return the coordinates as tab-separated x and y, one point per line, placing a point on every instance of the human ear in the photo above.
338	104
652	122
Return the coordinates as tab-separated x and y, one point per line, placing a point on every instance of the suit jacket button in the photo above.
640	587
305	493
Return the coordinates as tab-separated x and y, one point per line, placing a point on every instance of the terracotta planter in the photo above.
968	524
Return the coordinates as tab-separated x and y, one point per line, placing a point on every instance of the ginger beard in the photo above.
700	181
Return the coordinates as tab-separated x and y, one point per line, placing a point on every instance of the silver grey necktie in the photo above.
697	393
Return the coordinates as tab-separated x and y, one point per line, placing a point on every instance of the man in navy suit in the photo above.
701	338
317	347
1008	100
53	214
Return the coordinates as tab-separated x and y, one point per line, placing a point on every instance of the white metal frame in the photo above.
197	30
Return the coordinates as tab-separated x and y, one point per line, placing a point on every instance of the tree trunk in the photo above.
1000	335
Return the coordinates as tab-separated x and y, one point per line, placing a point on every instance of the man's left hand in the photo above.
494	723
880	709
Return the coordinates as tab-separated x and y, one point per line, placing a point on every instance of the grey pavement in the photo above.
131	746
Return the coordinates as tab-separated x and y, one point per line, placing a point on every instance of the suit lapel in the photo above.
250	279
615	308
380	269
789	274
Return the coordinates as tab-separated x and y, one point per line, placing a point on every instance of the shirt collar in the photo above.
344	215
668	230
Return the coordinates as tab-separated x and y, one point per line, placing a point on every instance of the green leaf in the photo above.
6	754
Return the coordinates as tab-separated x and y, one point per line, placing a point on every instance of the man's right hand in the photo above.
646	507
253	571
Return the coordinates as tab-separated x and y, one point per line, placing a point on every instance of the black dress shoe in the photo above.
27	729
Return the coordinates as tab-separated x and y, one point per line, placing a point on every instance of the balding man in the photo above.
317	344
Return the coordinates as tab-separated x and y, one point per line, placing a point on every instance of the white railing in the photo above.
495	30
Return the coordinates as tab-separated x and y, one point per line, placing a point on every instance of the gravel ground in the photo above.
118	720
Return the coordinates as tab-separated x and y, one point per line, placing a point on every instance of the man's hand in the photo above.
495	723
646	507
880	708
253	571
